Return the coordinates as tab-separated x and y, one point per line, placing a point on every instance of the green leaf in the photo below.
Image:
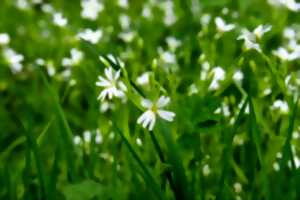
85	190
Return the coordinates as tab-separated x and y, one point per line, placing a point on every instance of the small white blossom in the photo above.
77	140
4	39
87	136
123	3
90	35
238	76
206	170
143	79
76	57
205	19
276	166
280	105
237	187
148	118
14	60
218	75
59	20
124	21
113	87
250	38
90	9
99	137
261	30
173	43
169	15
222	26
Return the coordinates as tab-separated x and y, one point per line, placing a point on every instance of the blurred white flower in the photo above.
124	21
218	75
143	79
276	166
222	26
168	57
238	76
4	39
237	187
22	4
98	137
205	19
249	40
90	35
238	140
206	170
59	19
289	33
90	9
173	43
139	141
127	36
146	12
261	30
113	87
76	57
148	118
169	15
14	60
77	140
289	4
87	136
283	54
280	105
123	3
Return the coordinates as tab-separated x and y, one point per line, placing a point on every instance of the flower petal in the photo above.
162	101
166	115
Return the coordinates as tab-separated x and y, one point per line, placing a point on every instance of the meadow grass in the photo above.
128	99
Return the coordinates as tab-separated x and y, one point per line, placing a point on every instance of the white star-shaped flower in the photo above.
222	26
91	9
148	118
250	38
113	87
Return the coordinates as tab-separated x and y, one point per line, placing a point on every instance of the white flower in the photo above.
99	137
222	26
90	35
218	75
168	57
238	76
148	118
90	9
173	43
261	30
124	21
249	39
289	4
77	140
87	136
59	20
14	59
206	170
238	187
112	86
280	105
289	33
123	3
143	79
76	57
169	15
4	38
